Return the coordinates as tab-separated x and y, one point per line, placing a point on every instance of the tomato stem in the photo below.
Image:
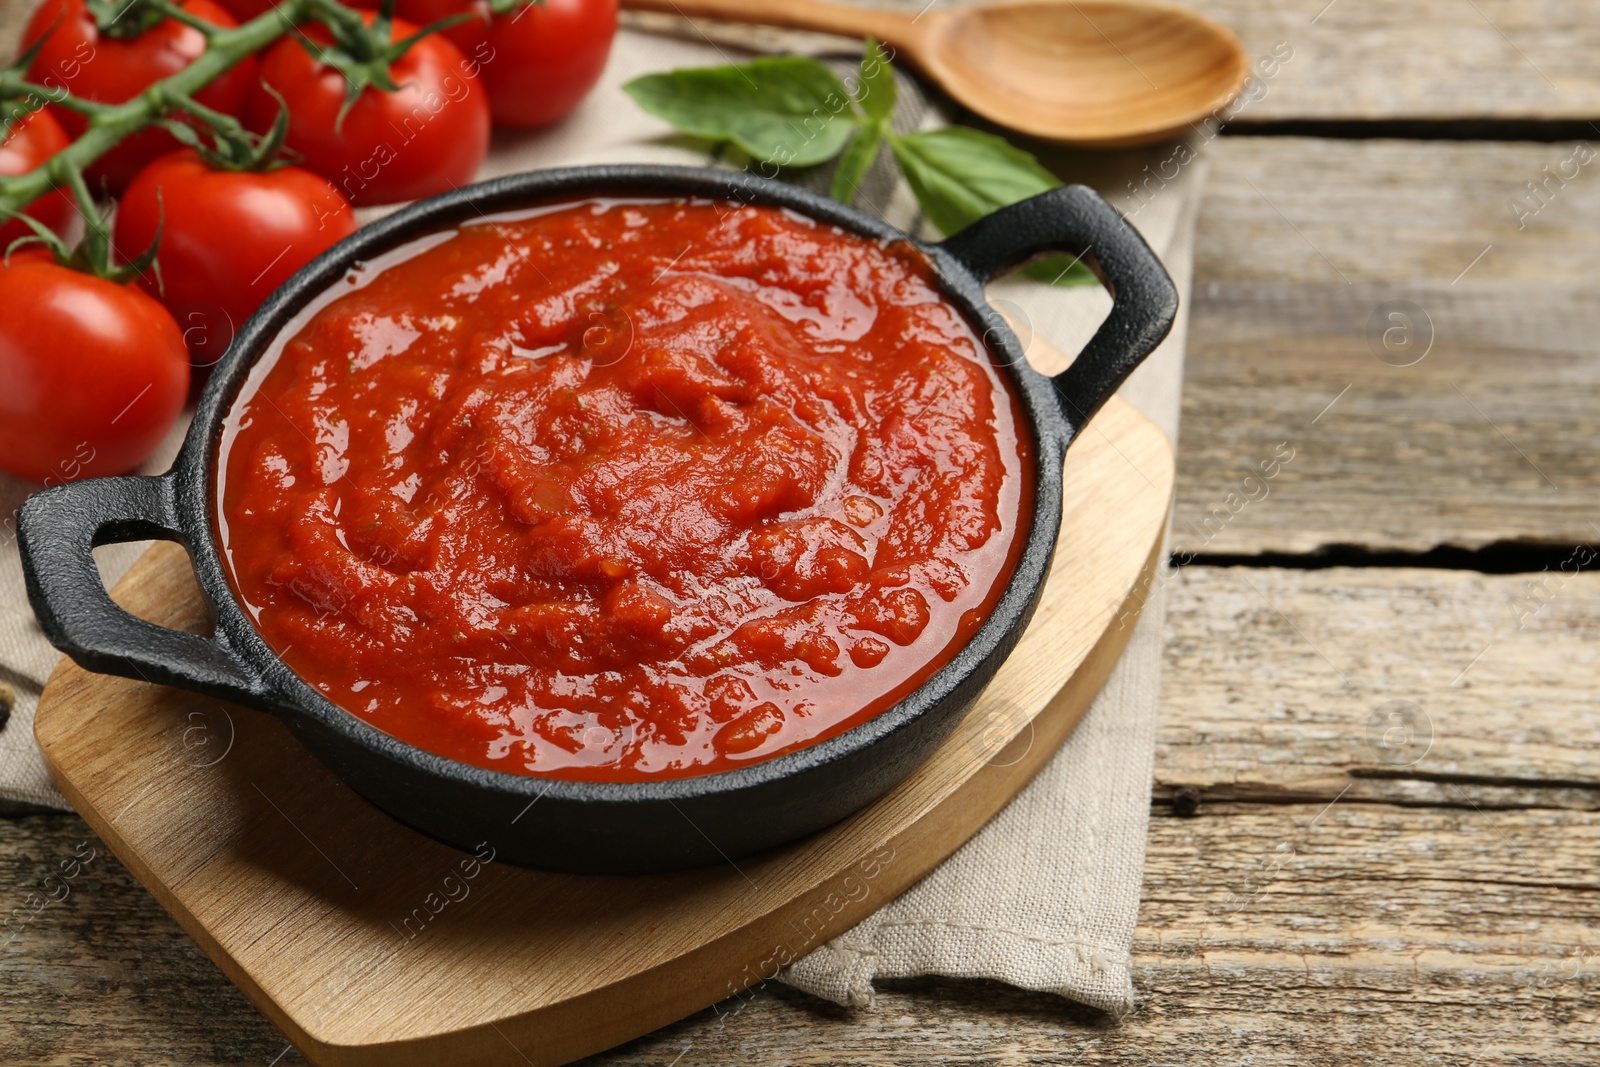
217	120
72	178
94	253
31	97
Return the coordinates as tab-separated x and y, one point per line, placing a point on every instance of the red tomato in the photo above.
429	136
77	57
95	373
228	239
539	63
33	139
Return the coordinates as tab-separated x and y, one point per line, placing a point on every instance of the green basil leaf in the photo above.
959	175
856	161
785	110
875	95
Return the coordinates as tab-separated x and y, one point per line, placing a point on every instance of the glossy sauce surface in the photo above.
624	490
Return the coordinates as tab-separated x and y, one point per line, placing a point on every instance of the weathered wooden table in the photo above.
1374	835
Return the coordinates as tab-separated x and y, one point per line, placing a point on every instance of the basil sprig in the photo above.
792	111
783	110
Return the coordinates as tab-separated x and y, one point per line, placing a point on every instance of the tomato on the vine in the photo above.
77	57
228	239
538	62
33	139
95	372
429	135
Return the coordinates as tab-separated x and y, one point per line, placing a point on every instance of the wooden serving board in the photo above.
368	944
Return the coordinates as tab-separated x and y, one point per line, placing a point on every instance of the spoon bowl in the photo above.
1094	73
1101	73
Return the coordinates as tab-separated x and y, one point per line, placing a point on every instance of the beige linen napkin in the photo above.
1046	896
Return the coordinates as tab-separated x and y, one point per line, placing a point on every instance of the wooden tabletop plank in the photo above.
1424	59
1382	684
1305	248
1417	936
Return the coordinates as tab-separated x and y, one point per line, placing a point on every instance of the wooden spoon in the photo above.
1099	73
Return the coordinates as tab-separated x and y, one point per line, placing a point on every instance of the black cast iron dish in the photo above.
585	826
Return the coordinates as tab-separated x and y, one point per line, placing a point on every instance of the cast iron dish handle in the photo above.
57	529
1074	219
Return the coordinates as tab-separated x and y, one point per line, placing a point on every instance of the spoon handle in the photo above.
845	20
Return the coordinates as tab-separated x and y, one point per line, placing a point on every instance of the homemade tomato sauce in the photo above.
625	489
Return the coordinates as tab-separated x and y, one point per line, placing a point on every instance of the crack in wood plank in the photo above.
1460	448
